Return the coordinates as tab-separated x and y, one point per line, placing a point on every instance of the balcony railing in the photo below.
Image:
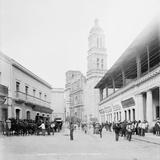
21	96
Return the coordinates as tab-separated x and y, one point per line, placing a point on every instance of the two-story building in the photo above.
28	95
130	89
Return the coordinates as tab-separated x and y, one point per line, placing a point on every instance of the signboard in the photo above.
116	107
128	103
101	111
108	109
42	109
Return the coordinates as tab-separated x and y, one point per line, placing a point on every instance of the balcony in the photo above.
30	100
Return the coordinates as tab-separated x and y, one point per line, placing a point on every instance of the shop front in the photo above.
3	104
129	109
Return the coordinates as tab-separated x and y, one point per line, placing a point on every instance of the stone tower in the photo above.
97	67
97	57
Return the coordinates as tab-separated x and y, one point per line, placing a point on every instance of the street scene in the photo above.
87	146
79	80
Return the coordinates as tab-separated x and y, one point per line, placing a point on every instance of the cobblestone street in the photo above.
84	147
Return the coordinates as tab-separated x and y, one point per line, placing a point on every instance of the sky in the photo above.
50	37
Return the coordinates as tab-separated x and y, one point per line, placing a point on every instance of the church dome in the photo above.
96	29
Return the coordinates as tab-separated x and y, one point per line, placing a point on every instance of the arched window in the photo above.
28	115
133	114
117	116
125	112
129	114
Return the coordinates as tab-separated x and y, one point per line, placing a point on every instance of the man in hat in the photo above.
129	129
71	131
117	129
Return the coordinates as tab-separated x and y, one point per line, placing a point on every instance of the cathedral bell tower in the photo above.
97	57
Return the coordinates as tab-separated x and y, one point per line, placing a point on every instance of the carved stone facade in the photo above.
74	94
81	91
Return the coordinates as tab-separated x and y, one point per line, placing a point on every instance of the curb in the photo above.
144	140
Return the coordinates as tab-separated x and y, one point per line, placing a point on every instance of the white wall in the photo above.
32	83
57	102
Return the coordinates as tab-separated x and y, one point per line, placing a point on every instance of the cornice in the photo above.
133	84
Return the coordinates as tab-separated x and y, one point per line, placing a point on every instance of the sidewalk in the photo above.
149	138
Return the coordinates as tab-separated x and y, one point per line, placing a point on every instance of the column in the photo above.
106	91
147	48
149	107
120	118
9	103
113	82
131	114
101	94
139	108
138	61
123	78
159	103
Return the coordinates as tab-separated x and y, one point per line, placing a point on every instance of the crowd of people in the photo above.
24	127
40	127
127	128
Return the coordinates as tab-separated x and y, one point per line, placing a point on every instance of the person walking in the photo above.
117	129
129	131
52	127
8	126
71	131
85	128
100	130
123	128
42	126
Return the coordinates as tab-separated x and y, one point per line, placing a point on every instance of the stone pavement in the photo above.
84	147
149	138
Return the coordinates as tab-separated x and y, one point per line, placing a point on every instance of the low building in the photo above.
28	95
57	103
134	81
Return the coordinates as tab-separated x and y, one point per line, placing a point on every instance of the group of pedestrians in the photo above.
123	129
127	129
156	128
23	127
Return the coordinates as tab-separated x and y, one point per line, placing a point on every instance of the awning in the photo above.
42	109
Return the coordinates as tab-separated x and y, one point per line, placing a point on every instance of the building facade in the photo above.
134	81
75	87
83	98
5	84
96	68
57	103
28	95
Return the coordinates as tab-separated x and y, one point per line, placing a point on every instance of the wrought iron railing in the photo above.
31	99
